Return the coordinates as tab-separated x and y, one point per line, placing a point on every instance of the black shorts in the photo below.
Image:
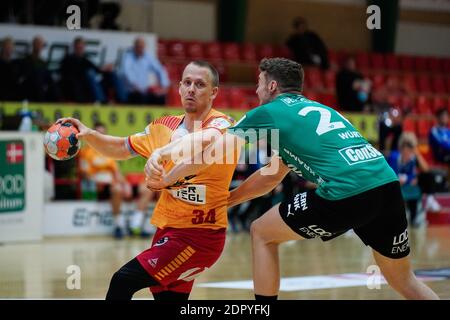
377	216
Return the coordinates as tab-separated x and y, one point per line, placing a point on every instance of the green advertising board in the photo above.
12	176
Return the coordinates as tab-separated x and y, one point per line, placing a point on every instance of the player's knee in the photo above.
399	279
257	231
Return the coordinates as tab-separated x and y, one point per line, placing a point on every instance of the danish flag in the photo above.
14	153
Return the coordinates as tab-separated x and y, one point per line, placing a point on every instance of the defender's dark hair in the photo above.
287	73
212	69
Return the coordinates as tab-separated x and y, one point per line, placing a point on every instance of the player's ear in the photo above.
179	88
273	86
214	92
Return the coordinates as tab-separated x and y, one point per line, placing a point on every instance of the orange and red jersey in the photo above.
199	201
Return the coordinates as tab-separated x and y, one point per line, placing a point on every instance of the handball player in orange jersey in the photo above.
191	215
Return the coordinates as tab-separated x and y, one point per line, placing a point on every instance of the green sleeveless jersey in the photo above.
318	143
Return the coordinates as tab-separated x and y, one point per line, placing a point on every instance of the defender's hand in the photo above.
155	183
153	167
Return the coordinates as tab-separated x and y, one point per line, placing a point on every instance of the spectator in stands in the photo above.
104	176
80	78
439	137
306	46
137	68
35	81
8	71
110	12
352	89
407	163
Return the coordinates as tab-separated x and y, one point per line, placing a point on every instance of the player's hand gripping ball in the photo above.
61	141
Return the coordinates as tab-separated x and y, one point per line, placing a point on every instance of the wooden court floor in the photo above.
39	270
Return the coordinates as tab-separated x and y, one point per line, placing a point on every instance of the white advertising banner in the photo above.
102	47
74	218
21	186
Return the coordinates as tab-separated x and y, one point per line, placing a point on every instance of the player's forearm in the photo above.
182	170
255	186
259	183
109	146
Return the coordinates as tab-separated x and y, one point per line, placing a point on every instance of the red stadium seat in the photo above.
238	98
446	65
392	62
378	81
362	60
222	70
266	51
377	61
283	51
311	95
174	71
329	100
409	125
231	52
438	84
406	63
423	84
333	58
329	79
423	128
434	65
173	97
409	82
195	50
177	49
393	81
162	50
313	78
249	52
222	101
394	100
421	64
438	103
406	103
213	51
423	105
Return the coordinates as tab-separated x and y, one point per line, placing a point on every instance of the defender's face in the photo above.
263	90
196	89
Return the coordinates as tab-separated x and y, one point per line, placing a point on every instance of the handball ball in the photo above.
61	141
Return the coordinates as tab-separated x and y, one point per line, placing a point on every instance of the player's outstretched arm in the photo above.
186	149
109	146
228	144
259	183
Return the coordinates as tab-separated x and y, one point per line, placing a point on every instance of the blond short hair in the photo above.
407	139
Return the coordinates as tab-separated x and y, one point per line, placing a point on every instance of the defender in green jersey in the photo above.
356	188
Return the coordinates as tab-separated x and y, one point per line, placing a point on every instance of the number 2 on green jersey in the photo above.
324	125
